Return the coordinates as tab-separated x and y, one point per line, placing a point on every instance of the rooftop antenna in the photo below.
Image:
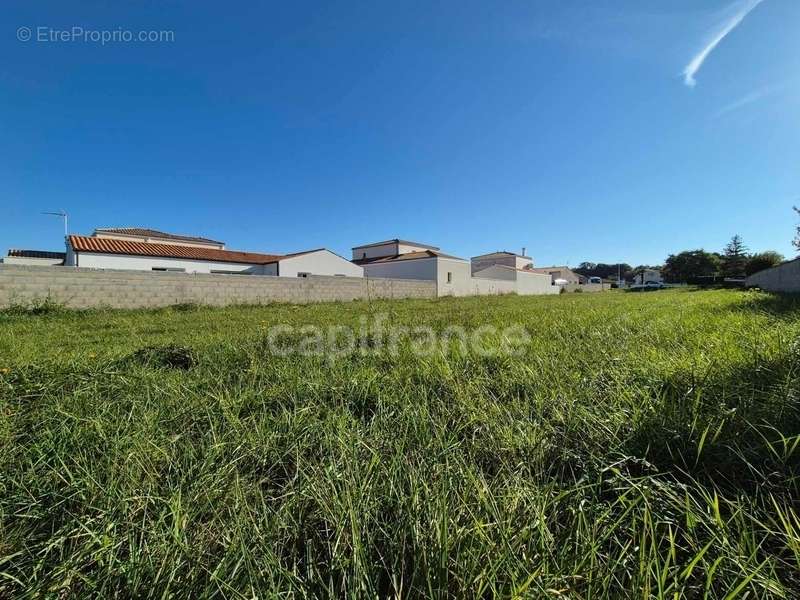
63	214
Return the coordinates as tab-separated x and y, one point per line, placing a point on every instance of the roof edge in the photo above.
502	252
155	233
405	257
396	241
44	254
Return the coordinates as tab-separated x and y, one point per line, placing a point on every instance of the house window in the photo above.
170	269
449	277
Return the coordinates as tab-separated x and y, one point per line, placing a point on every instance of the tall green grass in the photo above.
642	446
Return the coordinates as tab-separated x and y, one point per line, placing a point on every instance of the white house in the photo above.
510	259
401	259
517	268
314	262
649	276
148	250
37	258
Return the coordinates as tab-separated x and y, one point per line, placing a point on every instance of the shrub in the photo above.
34	308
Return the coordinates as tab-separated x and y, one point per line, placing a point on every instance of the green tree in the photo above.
796	240
690	265
762	260
734	258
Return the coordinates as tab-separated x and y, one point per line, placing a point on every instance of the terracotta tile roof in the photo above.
97	245
396	241
145	232
402	257
36	254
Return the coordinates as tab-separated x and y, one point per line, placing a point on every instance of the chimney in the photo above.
523	251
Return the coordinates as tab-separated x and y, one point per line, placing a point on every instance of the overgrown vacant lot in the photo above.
642	445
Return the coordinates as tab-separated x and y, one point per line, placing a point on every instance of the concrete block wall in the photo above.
783	278
91	288
491	287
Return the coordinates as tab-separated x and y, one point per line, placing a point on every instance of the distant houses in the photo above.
495	273
145	249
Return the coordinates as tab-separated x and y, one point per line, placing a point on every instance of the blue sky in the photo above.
581	130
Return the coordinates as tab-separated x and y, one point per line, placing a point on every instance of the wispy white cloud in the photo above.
754	96
742	9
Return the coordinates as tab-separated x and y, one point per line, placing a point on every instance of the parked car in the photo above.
595	280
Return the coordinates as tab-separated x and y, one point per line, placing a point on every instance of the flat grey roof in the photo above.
404	257
396	241
16	253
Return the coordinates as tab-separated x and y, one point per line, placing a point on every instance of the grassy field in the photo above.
642	445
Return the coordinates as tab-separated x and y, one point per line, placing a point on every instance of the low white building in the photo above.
35	258
110	249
